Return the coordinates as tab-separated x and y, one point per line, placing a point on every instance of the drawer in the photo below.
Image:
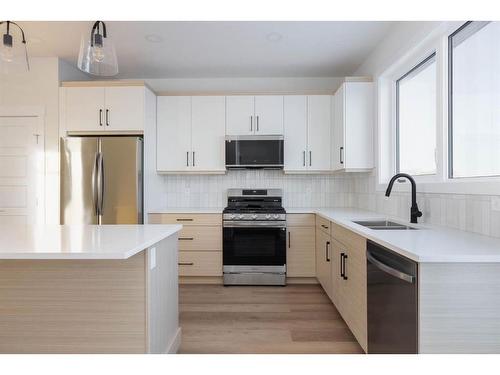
200	238
200	263
323	224
348	238
186	219
300	220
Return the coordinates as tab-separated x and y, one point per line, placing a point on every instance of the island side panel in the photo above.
73	306
459	308
164	333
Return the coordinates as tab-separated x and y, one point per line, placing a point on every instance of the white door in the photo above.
319	124
269	115
338	150
240	119
173	147
124	108
208	133
295	132
84	108
21	171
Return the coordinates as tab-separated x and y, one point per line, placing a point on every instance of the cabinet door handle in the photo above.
186	238
187	158
289	239
327	251
251	123
303	158
342	155
344	275
100	117
184	219
310	158
257	123
185	264
194	163
107	117
342	265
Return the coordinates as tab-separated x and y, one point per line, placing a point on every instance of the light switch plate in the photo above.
152	258
495	203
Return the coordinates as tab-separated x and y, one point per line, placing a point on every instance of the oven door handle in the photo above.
253	224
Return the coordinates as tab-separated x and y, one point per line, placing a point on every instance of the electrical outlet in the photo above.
495	203
152	258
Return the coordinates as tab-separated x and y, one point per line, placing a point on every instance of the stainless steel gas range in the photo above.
254	238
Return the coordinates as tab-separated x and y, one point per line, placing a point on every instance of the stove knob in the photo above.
268	217
276	216
254	216
241	216
232	216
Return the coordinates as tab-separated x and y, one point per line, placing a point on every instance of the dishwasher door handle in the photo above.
391	271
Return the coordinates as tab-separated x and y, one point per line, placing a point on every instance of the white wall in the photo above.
468	212
40	87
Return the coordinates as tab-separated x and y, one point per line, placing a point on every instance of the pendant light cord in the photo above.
19	27
96	28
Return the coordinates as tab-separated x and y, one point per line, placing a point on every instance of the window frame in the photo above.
414	69
441	183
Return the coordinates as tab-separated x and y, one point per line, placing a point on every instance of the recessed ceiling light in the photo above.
153	38
274	37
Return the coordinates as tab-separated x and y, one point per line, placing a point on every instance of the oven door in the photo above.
254	243
246	152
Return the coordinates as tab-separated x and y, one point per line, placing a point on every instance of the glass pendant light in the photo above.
97	55
13	53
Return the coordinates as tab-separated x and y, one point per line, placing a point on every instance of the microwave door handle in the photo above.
391	271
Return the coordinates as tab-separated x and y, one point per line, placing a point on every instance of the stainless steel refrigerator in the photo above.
102	180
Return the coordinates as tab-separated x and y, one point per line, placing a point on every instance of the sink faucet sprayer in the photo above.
414	211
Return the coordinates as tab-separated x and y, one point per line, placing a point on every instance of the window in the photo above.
416	119
474	100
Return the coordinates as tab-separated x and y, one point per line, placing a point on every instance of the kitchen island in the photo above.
89	289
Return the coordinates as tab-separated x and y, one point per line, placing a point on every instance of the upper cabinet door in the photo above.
208	133
338	149
240	115
295	132
124	108
84	108
173	147
319	132
268	115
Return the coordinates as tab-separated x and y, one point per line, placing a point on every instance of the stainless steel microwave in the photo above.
258	151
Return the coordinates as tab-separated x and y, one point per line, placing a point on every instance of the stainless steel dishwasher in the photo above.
392	302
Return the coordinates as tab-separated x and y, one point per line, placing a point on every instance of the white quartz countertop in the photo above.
187	210
429	244
79	241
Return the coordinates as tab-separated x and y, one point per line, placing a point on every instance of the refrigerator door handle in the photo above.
95	172
100	183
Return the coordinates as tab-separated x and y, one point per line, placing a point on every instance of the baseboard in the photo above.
175	344
301	280
200	280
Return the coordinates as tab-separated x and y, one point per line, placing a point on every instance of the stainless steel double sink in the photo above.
383	225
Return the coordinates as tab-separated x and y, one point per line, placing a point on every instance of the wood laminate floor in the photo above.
252	319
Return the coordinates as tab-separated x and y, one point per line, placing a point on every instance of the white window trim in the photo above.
385	142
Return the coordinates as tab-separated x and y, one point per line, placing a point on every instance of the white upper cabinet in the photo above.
190	134
124	108
268	115
319	124
307	124
240	115
91	109
254	115
173	132
208	133
295	132
353	127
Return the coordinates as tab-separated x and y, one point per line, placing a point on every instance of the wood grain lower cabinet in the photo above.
200	263
300	252
323	261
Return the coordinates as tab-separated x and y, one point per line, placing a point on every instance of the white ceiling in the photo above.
220	49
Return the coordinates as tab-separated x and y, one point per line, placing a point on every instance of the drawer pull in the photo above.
185	264
184	219
324	226
186	238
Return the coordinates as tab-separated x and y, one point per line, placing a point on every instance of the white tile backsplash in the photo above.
473	213
298	190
